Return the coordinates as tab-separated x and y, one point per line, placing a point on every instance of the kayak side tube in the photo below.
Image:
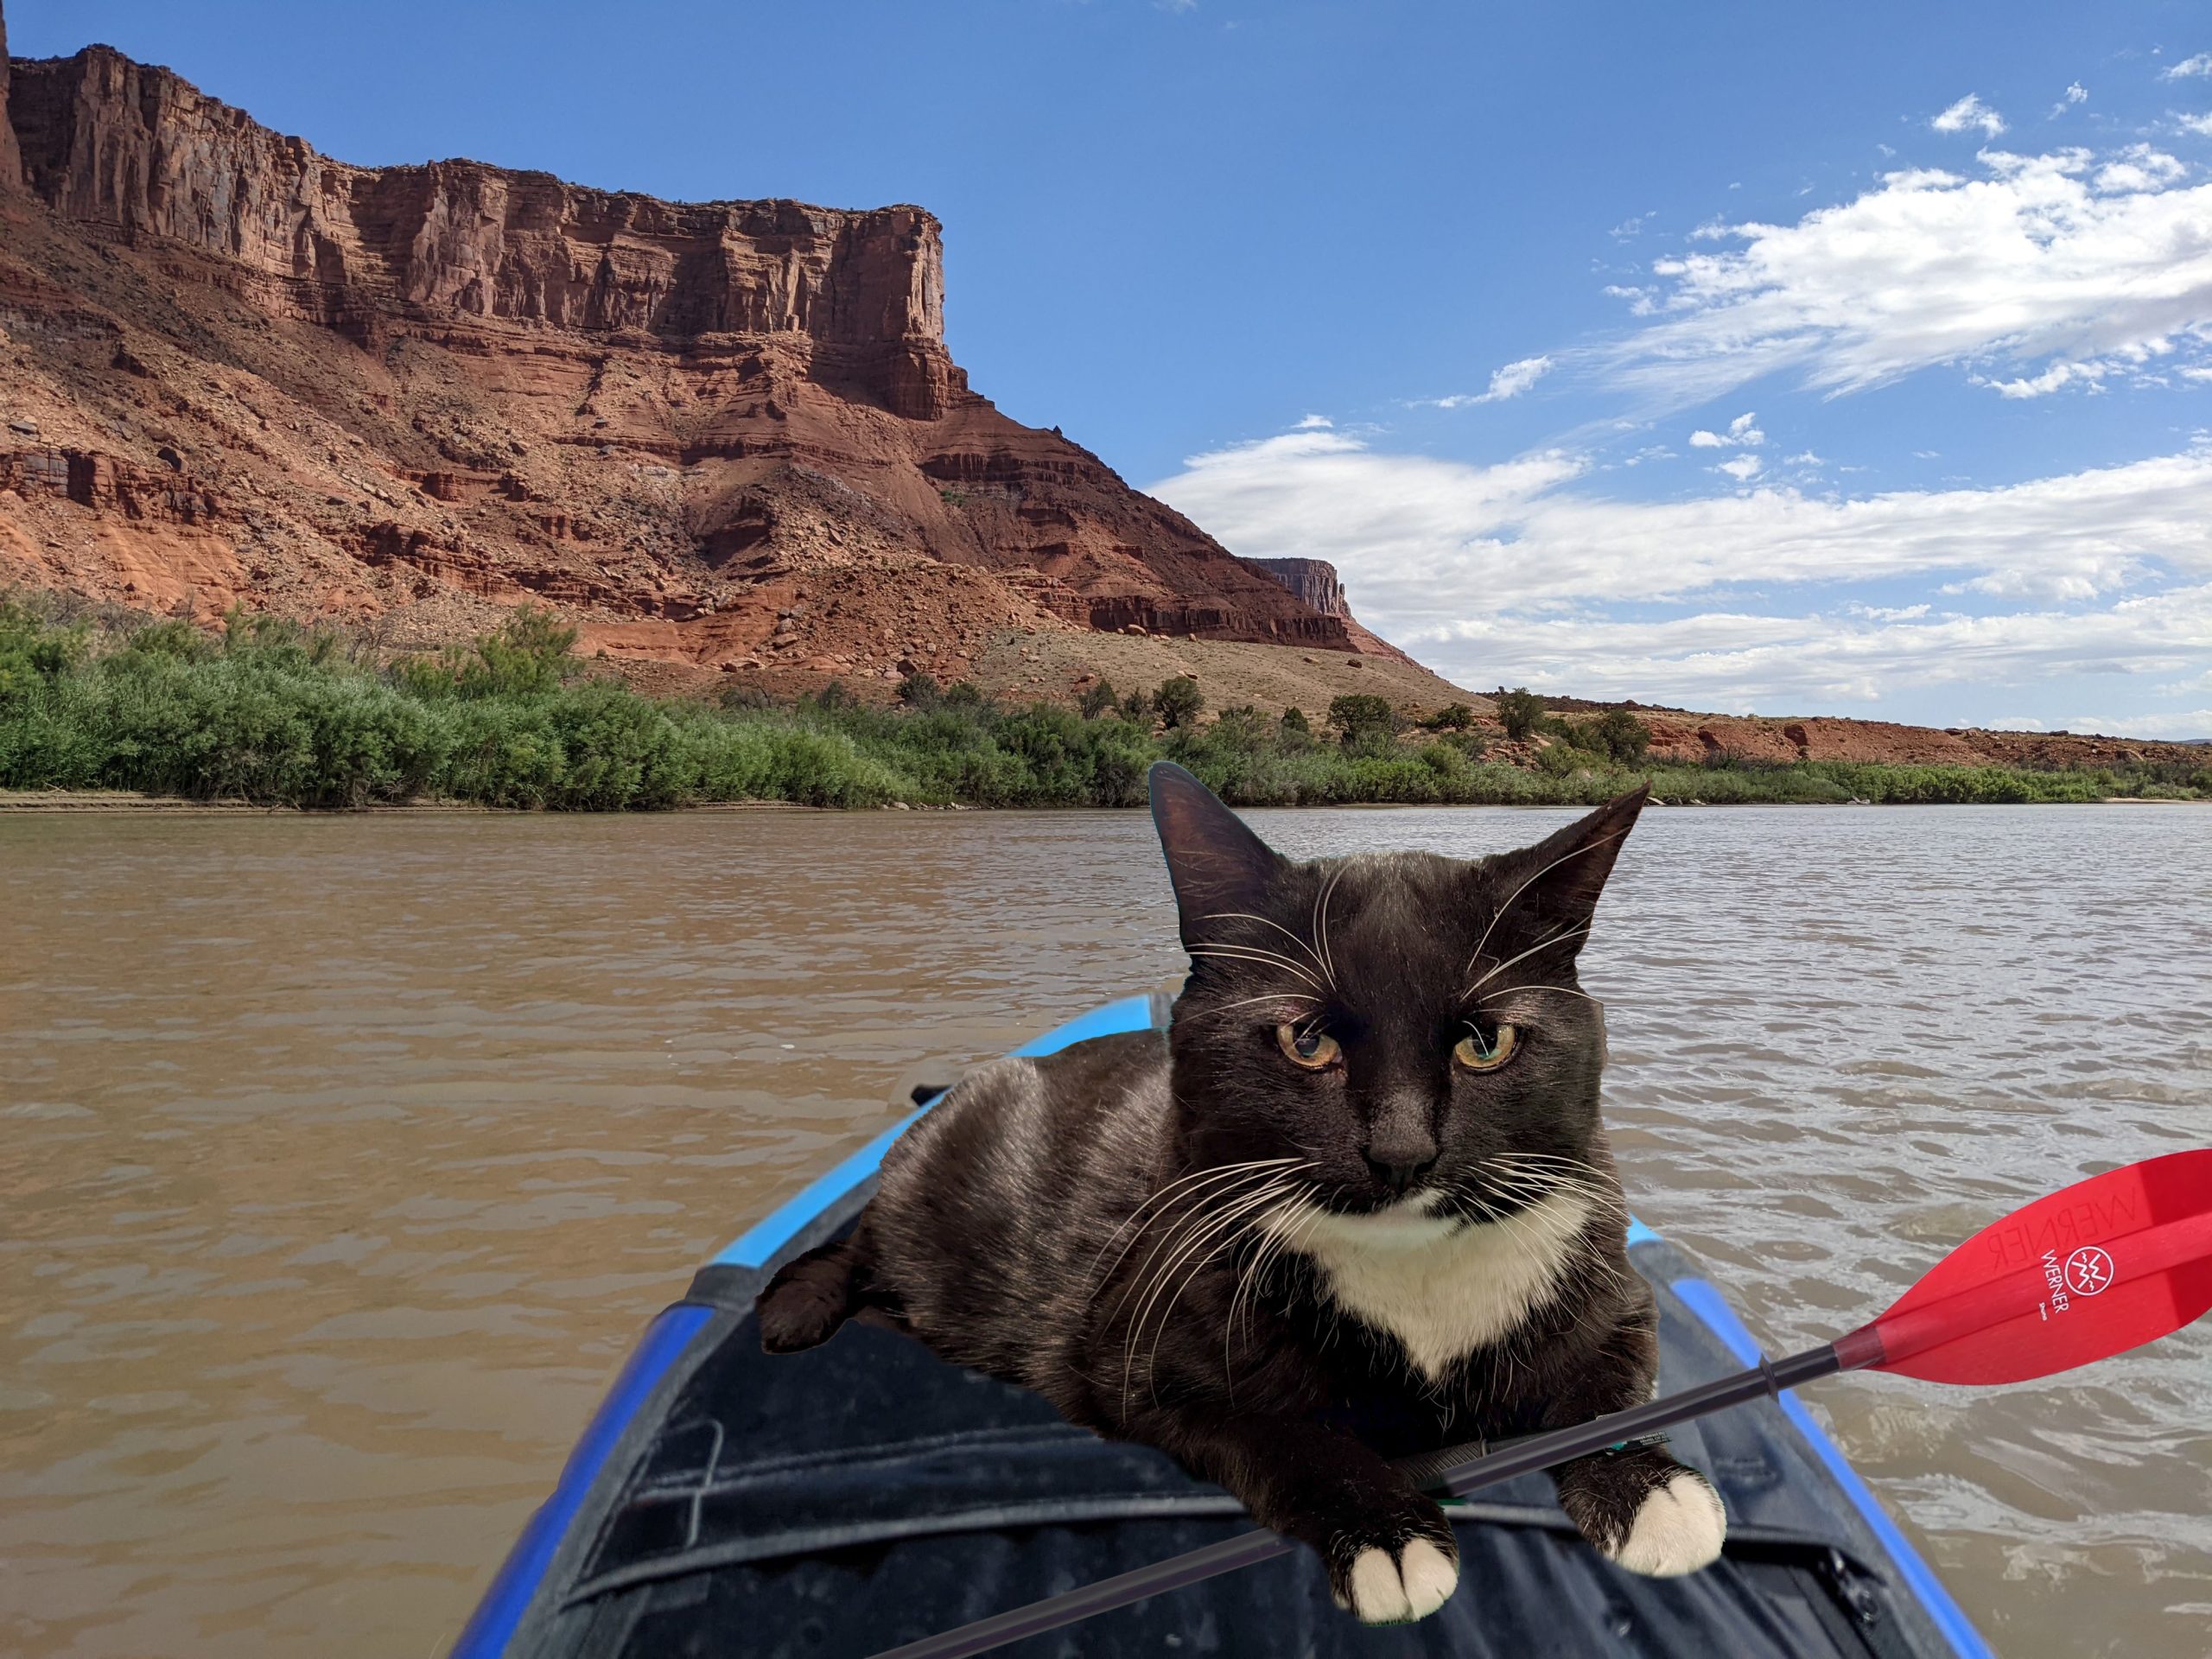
520	1600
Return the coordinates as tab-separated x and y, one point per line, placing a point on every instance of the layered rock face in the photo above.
11	160
117	144
1314	581
724	433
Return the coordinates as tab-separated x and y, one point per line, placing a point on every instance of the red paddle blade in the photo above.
2104	1265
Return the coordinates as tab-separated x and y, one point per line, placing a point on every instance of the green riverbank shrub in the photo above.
269	712
1520	712
1178	701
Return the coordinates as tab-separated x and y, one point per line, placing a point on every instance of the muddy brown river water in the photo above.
341	1159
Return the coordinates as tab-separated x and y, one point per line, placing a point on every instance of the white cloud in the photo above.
2057	375
1969	111
2199	124
2182	724
1414	528
1742	468
1734	661
1511	381
1322	489
2140	168
2076	92
1741	431
1495	572
2199	65
2041	260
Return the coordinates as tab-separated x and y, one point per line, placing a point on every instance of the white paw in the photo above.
1678	1529
1387	1591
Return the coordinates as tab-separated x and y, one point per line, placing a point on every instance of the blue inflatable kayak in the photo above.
864	1494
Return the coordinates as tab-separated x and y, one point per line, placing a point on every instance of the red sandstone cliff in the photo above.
11	160
1316	582
727	433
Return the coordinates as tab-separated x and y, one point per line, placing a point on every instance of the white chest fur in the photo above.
1442	1289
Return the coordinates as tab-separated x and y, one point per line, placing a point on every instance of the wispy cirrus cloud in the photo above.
2189	67
1511	381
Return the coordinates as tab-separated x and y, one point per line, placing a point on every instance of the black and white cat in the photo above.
1356	1202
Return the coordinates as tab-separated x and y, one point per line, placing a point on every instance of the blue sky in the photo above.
1447	292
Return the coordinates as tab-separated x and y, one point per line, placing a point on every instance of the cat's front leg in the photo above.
1640	1507
1389	1550
1645	1511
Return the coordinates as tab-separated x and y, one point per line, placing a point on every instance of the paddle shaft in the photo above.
1437	1472
1525	1456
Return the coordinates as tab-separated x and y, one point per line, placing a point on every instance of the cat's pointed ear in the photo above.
1550	891
1218	867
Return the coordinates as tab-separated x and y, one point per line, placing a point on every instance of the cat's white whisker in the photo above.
1576	1174
1187	1186
1532	1188
1515	898
1254	954
1321	920
1248	916
1244	1181
1189	1227
1538	1184
1212	1237
1546	990
1569	1173
1275	1237
1247	1279
1541	944
1146	1284
1519	1229
1286	1241
1249	1001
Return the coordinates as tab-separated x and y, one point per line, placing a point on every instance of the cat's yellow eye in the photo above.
1480	1053
1311	1049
